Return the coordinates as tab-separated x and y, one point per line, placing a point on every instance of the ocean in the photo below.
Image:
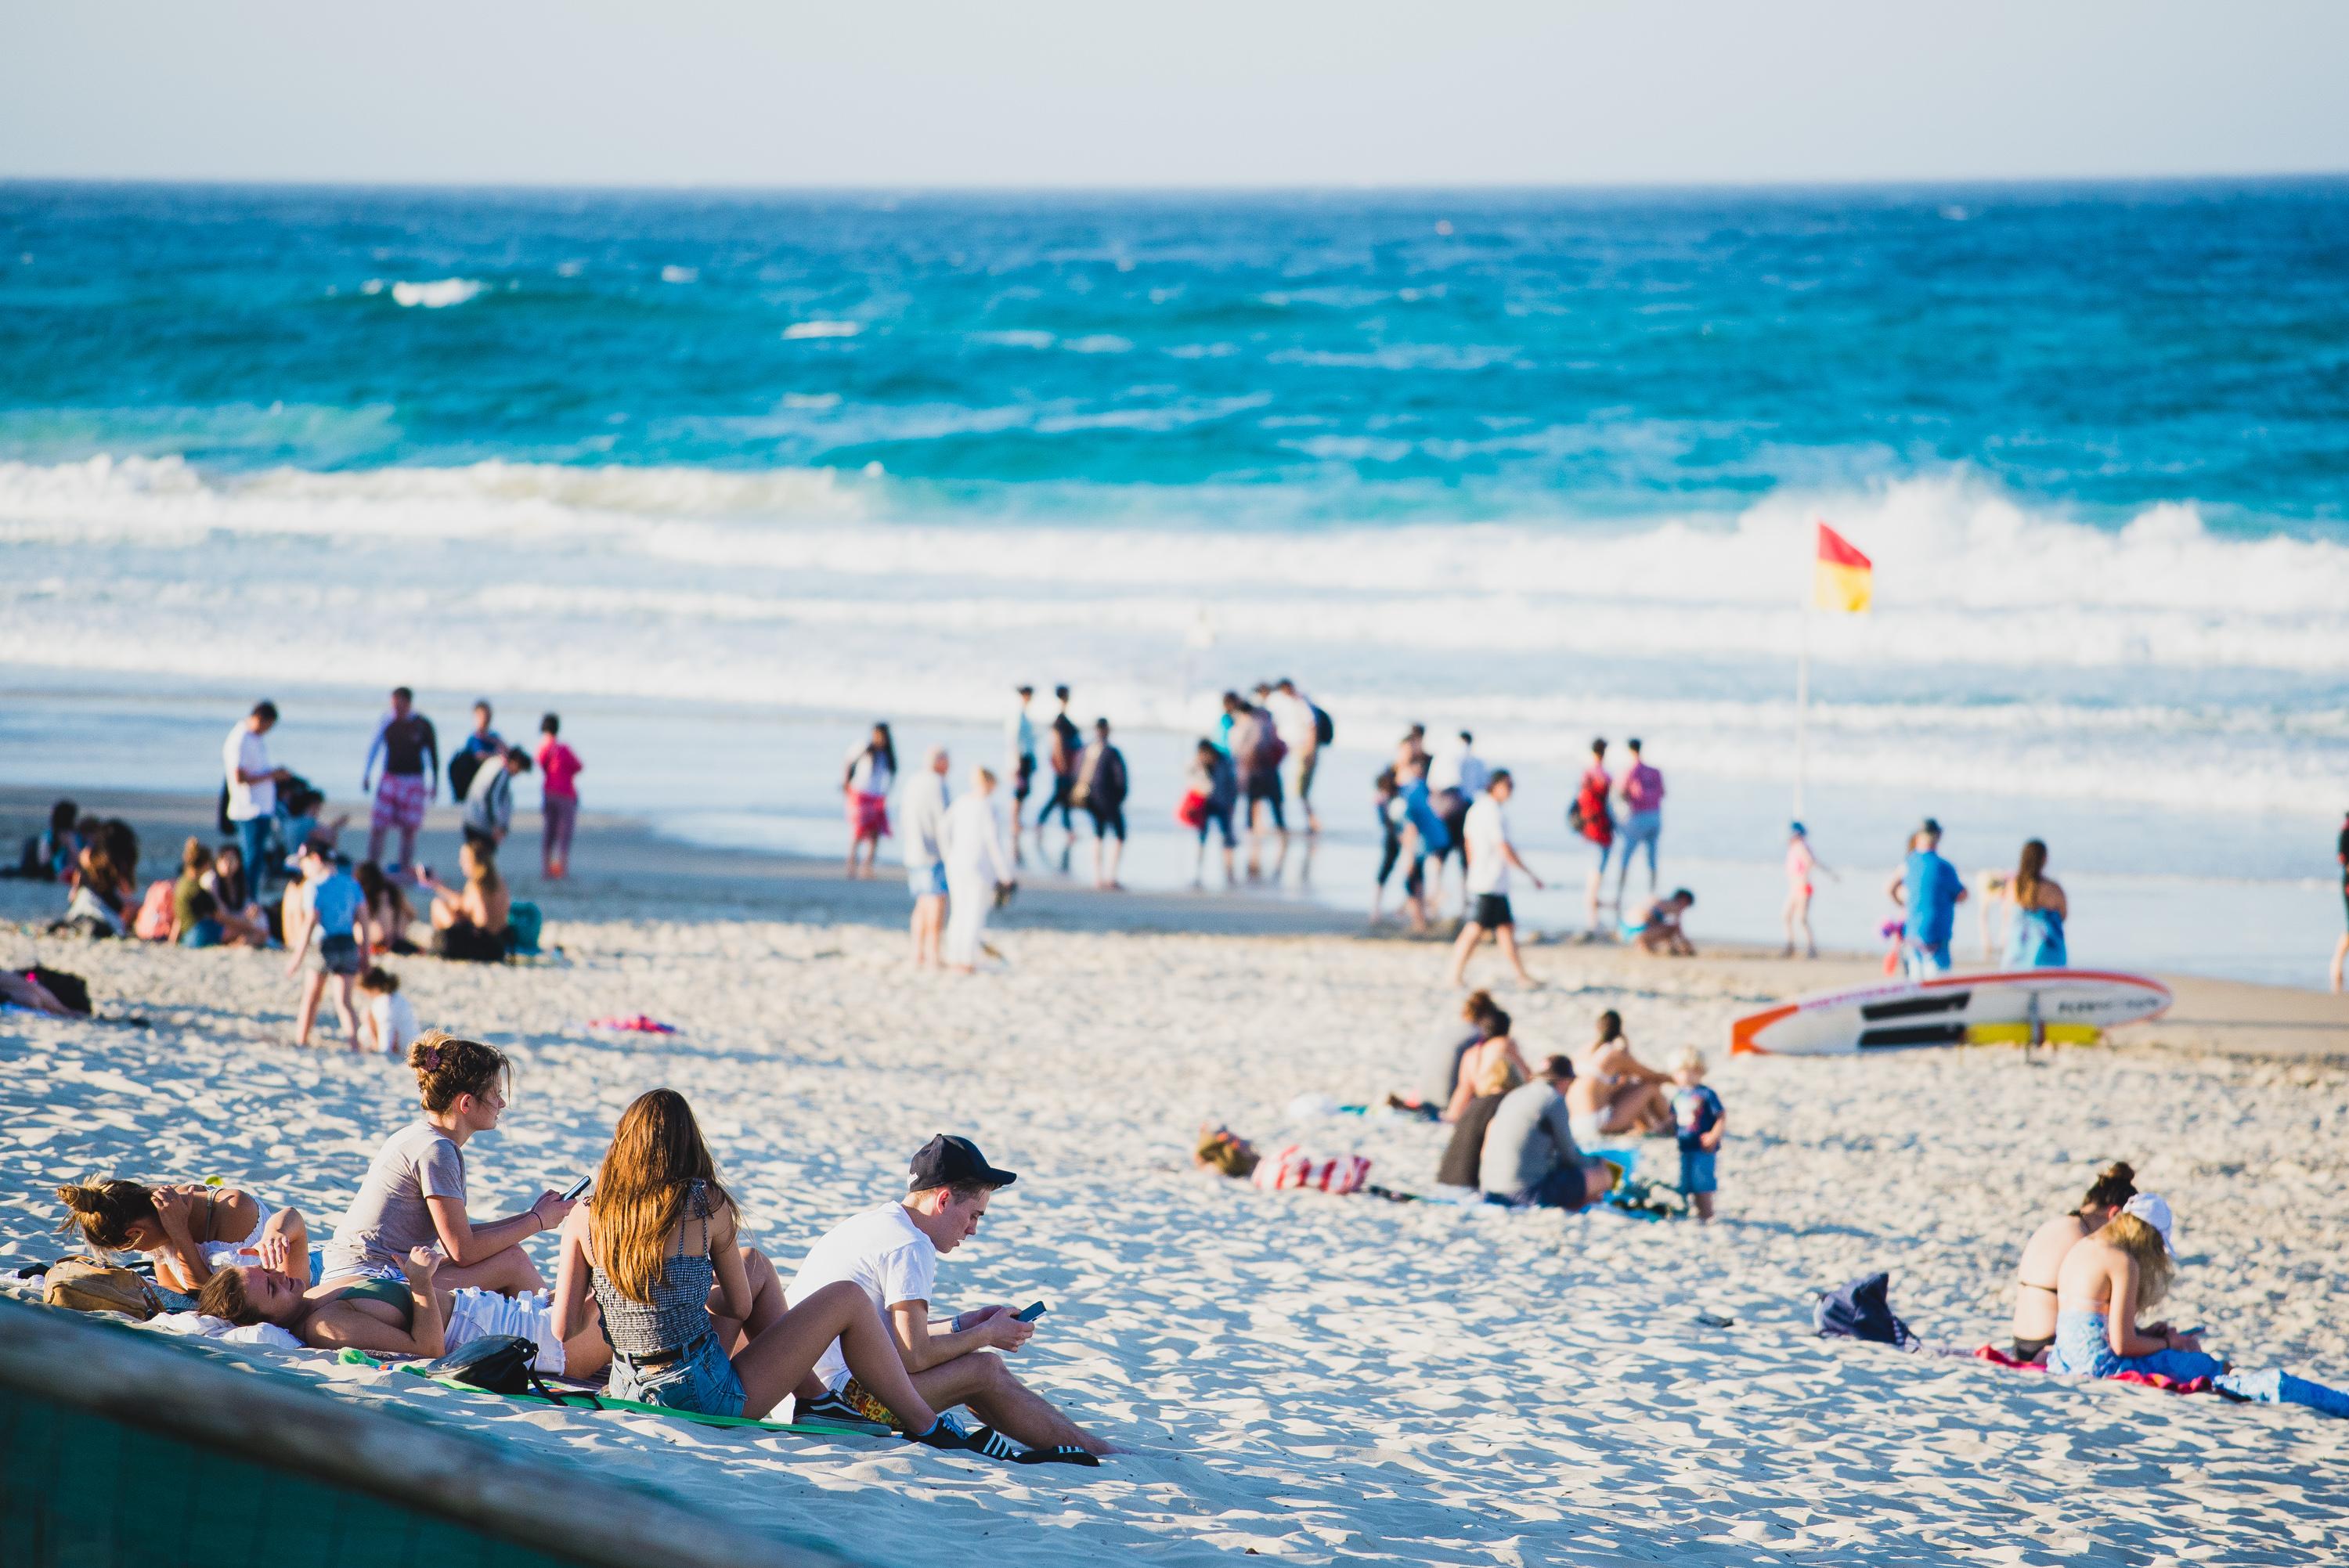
726	476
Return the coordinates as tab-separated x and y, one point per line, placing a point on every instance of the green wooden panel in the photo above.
80	1490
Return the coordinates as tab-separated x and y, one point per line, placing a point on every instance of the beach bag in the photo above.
1193	811
524	924
1861	1310
154	922
1325	730
71	989
85	1284
501	1362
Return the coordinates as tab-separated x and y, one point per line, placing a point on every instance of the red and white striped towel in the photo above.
1292	1167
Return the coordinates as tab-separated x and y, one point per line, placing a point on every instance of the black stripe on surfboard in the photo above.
1916	1006
1912	1035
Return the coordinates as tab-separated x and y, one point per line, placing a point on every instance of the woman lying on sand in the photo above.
470	923
656	1244
2050	1244
2105	1282
1613	1092
190	1231
399	1315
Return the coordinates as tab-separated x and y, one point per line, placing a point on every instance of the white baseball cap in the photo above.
2154	1209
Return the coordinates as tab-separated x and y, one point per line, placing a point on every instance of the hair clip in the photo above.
432	1061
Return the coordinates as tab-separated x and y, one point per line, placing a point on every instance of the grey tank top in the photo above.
678	1314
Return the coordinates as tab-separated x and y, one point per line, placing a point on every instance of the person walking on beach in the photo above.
1424	837
558	802
489	802
1019	755
975	867
1456	780
924	809
1802	865
1699	1124
1928	891
1299	722
480	745
1214	785
252	781
1594	818
1255	750
1642	792
1491	857
891	1254
1100	789
2340	948
2035	935
864	785
1068	745
411	751
321	925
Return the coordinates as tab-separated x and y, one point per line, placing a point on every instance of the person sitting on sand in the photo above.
195	914
414	1193
388	913
658	1244
236	909
105	878
1614	1093
391	1022
189	1230
2105	1282
889	1256
1452	1040
468	924
1488	1071
1529	1158
2050	1244
1656	927
48	853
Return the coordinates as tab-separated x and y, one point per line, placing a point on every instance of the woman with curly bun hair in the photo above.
414	1194
189	1230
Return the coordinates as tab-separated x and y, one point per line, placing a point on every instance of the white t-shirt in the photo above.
885	1252
922	820
1486	832
868	774
245	752
395	1023
1292	720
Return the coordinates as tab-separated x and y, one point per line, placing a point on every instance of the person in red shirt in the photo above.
558	768
1592	818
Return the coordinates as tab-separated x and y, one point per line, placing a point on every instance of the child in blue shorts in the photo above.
1701	1124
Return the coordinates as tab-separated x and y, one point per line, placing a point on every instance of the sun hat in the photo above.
2154	1209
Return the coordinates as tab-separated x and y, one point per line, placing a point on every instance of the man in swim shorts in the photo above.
1930	890
411	779
1485	830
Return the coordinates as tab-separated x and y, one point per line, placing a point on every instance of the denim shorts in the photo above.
1696	1170
702	1379
927	881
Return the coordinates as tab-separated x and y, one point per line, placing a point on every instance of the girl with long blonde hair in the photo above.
657	1250
2105	1280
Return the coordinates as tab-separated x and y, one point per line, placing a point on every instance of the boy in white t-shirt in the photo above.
1490	856
892	1254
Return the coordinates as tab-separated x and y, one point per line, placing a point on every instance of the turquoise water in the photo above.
1539	464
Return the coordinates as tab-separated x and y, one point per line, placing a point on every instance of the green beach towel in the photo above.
585	1400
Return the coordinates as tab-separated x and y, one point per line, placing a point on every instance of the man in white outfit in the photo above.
976	864
923	808
1299	724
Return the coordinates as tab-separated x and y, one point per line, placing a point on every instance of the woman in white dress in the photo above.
976	864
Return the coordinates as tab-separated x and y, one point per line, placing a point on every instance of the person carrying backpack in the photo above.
1100	789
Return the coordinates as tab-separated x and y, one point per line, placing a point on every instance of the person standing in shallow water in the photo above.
410	781
558	770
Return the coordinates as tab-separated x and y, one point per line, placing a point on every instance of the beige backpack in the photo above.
84	1284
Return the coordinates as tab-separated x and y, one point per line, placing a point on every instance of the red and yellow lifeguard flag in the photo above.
1844	579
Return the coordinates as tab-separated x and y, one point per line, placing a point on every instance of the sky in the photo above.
1220	93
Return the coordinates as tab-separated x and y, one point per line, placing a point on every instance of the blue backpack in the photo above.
1861	1310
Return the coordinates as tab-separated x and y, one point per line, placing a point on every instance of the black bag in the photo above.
1325	728
71	989
461	769
501	1363
227	828
1861	1310
1574	818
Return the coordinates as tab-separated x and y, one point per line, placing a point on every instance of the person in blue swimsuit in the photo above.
2034	938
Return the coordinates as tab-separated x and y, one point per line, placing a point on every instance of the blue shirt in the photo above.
336	902
1696	1110
1931	887
1421	815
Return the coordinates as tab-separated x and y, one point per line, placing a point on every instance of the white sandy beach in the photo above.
1316	1378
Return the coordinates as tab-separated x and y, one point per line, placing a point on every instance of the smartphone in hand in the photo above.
1031	1312
578	1187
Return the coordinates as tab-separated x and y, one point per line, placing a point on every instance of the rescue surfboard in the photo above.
2065	1007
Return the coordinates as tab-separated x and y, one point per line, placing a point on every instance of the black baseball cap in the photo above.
948	1161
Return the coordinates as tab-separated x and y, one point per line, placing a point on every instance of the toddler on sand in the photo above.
1701	1124
391	1020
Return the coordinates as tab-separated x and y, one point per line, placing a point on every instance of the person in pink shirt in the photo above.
558	767
1642	792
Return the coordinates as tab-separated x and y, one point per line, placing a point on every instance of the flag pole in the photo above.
1802	705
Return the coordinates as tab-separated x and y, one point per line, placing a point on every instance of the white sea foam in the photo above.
438	295
2011	651
802	329
675	274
